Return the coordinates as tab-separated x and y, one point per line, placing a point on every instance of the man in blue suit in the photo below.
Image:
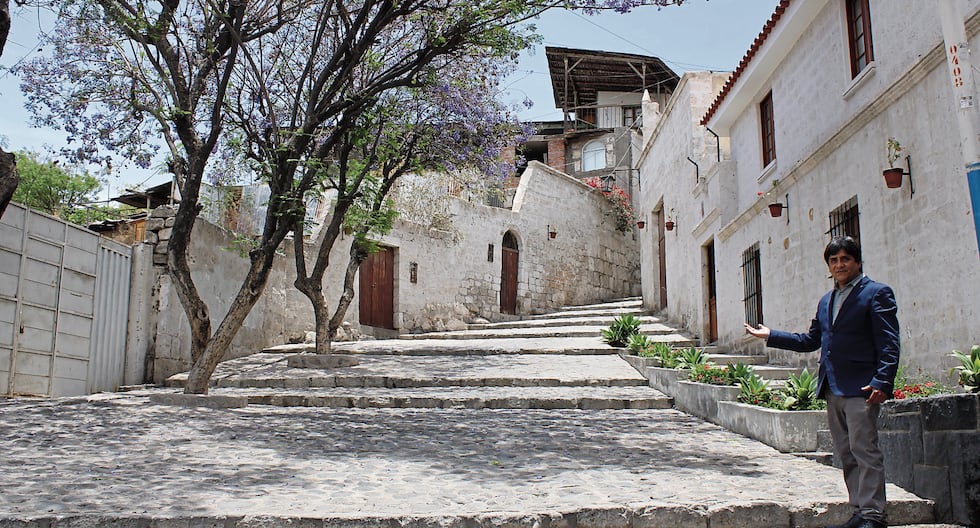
856	328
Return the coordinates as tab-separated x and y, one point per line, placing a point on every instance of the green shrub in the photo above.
710	374
620	331
920	387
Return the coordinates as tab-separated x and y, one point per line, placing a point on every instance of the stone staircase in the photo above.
554	364
552	361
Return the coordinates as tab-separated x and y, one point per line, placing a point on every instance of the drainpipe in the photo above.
960	65
717	143
697	171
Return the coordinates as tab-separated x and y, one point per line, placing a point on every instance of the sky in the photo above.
697	35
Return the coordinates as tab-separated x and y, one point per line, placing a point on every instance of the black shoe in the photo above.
868	523
854	522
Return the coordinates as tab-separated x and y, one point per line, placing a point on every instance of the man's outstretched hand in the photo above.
761	331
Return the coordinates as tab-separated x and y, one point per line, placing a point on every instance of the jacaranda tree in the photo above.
279	80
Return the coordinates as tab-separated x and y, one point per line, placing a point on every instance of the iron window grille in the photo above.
844	220
752	279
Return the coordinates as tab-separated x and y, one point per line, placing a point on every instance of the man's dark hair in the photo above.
848	244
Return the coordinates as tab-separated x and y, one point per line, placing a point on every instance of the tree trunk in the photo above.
357	256
322	315
8	179
258	275
4	26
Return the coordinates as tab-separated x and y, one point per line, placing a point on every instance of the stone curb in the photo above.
758	514
200	400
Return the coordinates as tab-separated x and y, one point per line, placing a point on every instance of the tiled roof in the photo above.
749	55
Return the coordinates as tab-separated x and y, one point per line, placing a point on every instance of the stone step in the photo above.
601	321
732	359
585	398
629	302
653	330
266	370
590	312
460	347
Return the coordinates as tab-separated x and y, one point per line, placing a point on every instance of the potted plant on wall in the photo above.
893	175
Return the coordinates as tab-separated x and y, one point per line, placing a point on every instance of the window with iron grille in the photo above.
859	35
632	116
844	220
768	131
752	279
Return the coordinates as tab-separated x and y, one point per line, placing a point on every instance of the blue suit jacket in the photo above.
860	348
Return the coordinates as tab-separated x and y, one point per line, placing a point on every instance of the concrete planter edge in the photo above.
787	431
702	399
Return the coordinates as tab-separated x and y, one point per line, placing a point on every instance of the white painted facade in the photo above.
587	261
830	134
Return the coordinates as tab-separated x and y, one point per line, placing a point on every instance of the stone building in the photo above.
599	93
803	122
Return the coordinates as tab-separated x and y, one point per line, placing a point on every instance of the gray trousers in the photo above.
854	429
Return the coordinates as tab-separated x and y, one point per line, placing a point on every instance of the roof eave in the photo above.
757	73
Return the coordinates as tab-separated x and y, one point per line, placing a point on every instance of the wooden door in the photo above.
712	288
510	256
376	281
662	258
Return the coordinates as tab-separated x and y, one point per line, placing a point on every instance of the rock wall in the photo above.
932	448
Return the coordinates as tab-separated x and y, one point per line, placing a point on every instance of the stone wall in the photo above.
932	448
457	269
282	314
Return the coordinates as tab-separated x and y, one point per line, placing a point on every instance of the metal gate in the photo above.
64	301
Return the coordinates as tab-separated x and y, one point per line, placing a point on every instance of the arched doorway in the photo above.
508	274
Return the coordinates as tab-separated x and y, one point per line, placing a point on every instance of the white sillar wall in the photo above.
587	261
830	147
694	198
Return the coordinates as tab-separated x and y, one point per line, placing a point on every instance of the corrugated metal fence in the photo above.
64	300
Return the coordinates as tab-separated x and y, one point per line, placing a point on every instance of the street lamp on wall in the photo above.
607	182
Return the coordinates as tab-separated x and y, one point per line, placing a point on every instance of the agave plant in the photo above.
620	331
737	372
800	391
754	390
666	354
969	370
691	357
639	344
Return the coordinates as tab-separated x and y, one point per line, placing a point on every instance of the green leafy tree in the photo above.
47	186
276	82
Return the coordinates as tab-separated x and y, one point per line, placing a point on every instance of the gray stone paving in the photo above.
462	459
121	457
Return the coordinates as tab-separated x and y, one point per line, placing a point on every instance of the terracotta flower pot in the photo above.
776	210
641	224
669	225
893	178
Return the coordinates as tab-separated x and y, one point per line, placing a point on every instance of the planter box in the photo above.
641	364
701	399
787	431
665	379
